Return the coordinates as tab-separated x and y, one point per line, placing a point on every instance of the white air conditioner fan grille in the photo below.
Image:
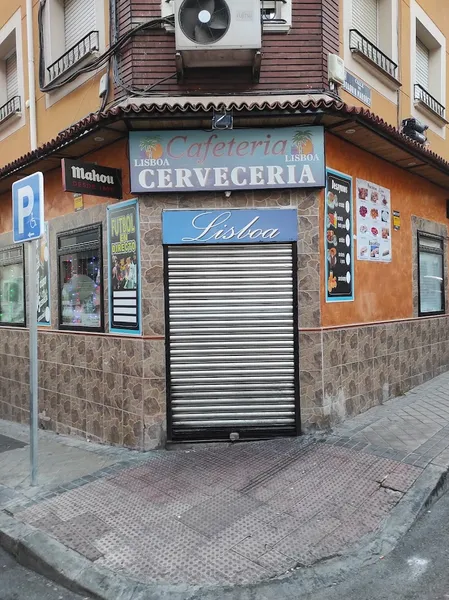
204	21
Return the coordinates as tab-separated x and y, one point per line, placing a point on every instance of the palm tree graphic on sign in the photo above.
152	147
302	142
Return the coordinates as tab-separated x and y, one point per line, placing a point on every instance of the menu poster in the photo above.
373	222
338	238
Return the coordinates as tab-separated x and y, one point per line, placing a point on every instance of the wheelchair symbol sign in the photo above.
28	208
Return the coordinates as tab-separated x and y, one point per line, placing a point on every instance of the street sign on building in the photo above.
28	208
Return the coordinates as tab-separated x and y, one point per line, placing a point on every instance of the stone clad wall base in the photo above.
103	388
346	371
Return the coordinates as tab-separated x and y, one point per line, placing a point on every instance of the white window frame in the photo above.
10	40
422	27
55	46
283	12
387	43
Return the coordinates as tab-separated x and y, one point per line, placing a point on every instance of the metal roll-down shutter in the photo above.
79	20
231	340
422	64
12	82
365	17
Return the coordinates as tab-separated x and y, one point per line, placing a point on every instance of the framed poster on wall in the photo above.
43	279
124	267
373	222
338	238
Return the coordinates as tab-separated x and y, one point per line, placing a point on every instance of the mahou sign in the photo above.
92	179
226	160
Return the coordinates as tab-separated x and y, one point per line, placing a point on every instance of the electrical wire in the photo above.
100	61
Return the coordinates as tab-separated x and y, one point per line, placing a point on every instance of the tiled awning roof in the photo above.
366	130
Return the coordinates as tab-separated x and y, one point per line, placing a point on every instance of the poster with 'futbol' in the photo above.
124	267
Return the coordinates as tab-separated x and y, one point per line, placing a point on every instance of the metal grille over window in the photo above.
431	274
12	84
422	64
231	340
364	18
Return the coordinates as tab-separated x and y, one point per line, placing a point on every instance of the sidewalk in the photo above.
231	515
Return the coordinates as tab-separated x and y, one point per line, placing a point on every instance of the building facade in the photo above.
236	247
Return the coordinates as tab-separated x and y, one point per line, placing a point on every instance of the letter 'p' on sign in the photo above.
28	208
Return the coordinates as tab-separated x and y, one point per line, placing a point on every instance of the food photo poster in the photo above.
373	233
338	238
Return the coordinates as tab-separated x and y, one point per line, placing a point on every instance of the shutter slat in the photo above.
422	64
79	20
364	18
12	83
232	340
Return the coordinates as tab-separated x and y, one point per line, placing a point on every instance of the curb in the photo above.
40	552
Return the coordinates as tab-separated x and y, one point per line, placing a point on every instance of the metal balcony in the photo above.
422	95
10	108
359	43
90	43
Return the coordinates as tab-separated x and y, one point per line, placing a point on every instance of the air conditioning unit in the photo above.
218	33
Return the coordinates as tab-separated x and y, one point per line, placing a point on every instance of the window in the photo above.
73	33
11	76
365	18
276	15
428	64
12	289
430	274
368	42
80	274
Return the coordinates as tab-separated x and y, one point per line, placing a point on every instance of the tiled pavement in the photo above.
244	513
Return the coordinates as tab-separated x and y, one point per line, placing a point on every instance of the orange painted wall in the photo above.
58	202
383	291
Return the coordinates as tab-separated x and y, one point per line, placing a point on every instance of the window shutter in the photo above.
364	18
12	84
422	64
79	20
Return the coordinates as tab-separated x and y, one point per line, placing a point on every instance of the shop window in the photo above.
80	279
12	288
431	274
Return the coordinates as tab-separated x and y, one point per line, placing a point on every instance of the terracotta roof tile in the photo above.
157	106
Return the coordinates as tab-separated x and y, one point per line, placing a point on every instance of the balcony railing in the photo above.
88	44
422	95
10	108
359	43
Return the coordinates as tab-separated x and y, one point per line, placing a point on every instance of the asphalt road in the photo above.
418	569
17	583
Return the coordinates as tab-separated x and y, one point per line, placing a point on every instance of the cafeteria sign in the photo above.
174	161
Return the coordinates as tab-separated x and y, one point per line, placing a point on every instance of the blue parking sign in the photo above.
28	208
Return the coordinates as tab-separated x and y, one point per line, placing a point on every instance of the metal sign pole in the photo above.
34	397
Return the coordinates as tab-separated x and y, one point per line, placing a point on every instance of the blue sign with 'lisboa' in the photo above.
187	161
238	226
